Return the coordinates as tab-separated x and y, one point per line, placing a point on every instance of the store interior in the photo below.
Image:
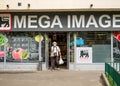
61	39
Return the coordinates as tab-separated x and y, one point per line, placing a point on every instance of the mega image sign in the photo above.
63	21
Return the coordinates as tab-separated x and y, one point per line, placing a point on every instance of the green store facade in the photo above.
87	39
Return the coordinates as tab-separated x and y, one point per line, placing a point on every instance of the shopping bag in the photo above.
51	54
61	61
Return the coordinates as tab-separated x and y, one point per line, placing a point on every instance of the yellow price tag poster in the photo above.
38	38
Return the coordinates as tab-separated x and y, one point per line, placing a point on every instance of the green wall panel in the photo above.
101	53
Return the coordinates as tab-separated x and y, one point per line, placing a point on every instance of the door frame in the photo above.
68	49
47	51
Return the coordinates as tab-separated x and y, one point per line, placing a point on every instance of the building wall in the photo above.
59	4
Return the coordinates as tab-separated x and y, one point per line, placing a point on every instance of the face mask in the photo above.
54	44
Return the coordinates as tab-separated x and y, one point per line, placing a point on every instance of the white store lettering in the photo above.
32	20
44	22
91	21
18	23
116	19
70	21
107	21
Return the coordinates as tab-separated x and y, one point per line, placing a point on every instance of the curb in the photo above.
106	82
15	71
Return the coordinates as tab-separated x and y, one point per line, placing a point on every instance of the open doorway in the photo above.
61	39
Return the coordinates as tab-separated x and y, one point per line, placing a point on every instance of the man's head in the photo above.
54	43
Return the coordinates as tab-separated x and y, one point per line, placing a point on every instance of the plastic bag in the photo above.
61	61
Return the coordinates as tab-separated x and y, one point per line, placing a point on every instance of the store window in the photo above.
1	53
3	41
100	42
23	47
91	38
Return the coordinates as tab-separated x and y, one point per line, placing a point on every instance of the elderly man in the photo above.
55	54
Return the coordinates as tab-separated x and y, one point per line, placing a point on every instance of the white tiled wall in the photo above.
58	4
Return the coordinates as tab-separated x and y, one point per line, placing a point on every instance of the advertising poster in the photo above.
116	46
84	55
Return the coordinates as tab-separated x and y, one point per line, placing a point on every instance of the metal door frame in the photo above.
47	51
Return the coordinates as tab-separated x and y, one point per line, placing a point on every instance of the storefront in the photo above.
87	39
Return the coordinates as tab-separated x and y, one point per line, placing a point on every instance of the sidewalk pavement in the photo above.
51	78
